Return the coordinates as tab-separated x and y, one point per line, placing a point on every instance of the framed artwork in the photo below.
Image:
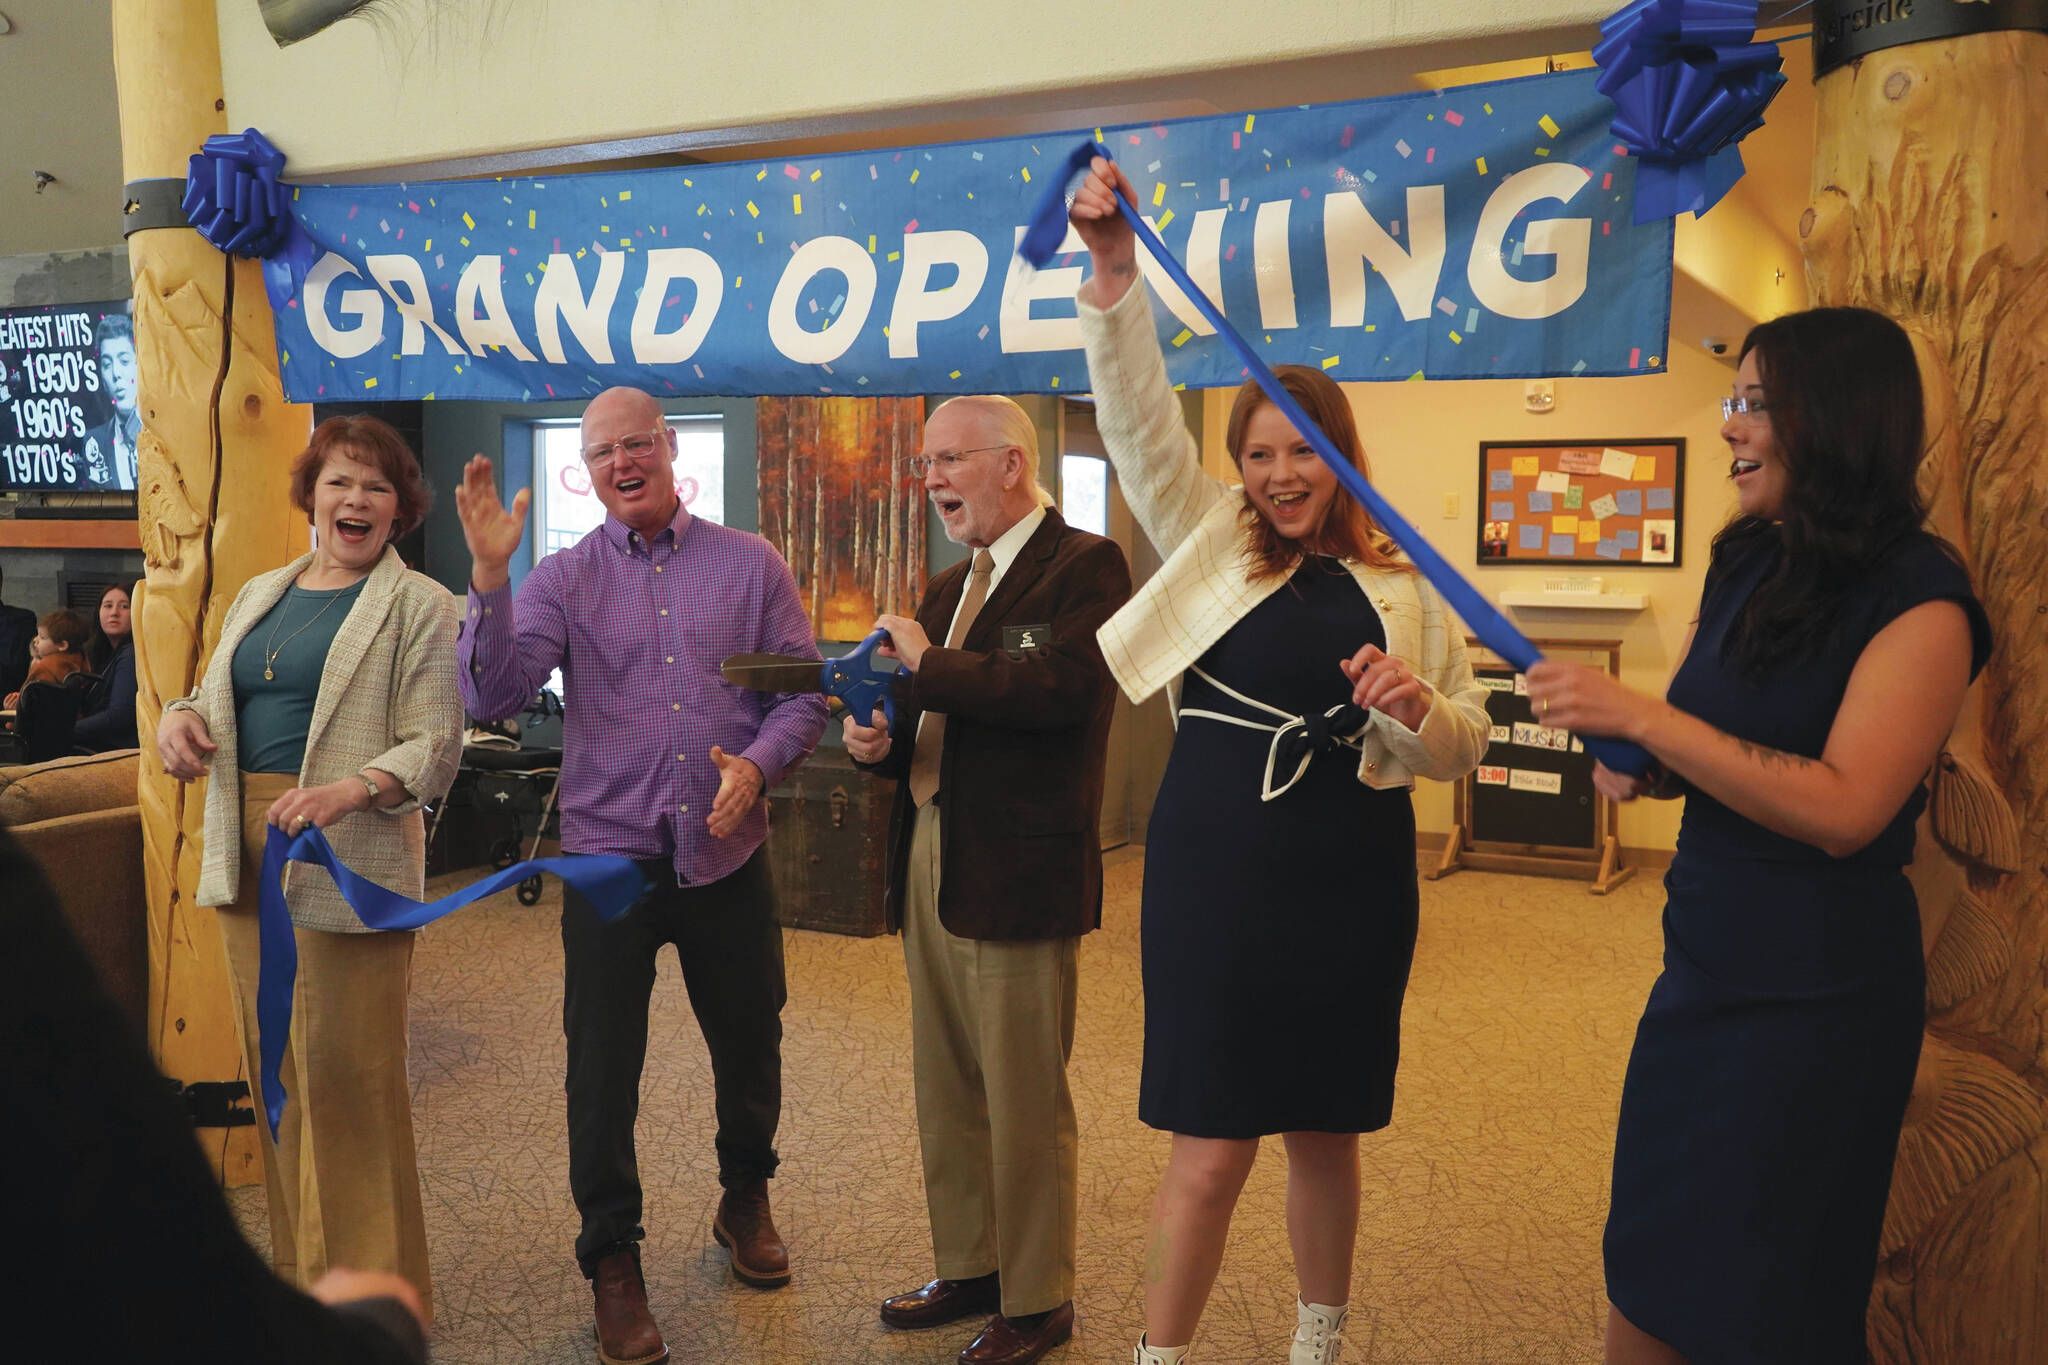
838	501
1581	502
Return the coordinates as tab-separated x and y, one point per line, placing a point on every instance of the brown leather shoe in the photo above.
626	1334
943	1301
743	1226
1006	1342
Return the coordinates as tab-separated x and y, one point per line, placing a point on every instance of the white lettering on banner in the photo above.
1204	255
560	298
1170	293
1570	240
1020	331
915	302
1352	236
367	305
350	322
415	306
1272	264
480	284
665	265
844	255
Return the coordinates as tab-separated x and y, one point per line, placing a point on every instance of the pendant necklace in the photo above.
270	653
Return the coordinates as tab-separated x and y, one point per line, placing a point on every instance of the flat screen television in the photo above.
68	419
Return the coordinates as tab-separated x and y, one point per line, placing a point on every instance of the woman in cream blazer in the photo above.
1315	676
331	701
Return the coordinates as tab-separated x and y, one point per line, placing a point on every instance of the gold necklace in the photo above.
270	654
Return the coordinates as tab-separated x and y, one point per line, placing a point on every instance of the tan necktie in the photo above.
931	726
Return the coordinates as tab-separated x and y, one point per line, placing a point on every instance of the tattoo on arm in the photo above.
1124	270
1773	758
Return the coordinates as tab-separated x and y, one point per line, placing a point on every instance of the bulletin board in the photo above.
1581	502
1530	805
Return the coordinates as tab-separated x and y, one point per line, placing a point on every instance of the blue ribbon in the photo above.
612	884
236	198
1688	83
1042	239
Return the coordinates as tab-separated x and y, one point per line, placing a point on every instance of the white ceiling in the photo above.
57	114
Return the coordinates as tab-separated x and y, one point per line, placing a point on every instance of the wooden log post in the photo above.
1930	204
217	442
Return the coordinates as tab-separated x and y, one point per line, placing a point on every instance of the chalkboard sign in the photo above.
1531	805
1535	786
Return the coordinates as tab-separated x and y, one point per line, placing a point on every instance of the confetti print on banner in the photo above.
896	282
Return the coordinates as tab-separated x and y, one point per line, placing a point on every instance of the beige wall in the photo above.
429	82
1423	440
57	114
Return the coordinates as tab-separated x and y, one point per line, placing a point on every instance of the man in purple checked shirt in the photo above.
663	762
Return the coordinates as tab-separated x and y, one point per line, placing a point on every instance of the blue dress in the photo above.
1270	927
1772	1065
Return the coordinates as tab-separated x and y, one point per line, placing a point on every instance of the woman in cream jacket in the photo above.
331	702
1317	676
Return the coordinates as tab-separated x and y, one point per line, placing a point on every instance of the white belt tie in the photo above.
1292	732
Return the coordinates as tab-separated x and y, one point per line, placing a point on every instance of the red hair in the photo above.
371	441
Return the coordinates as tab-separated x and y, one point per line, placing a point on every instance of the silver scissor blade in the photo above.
773	673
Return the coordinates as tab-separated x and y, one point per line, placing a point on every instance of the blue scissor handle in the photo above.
856	681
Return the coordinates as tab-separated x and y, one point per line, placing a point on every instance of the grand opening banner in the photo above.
1481	232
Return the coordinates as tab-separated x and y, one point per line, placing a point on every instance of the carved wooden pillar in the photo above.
1930	204
217	440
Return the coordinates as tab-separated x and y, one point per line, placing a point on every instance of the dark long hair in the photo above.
1347	529
99	648
1842	393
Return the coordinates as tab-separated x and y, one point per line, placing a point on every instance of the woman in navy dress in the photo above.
1319	676
1835	640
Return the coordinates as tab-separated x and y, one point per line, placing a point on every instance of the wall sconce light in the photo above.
1540	395
6	26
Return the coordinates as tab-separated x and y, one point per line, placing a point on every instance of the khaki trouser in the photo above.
343	1178
991	1027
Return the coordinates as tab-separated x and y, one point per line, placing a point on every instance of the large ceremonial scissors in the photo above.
855	679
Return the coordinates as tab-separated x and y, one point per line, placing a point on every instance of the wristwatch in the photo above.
371	783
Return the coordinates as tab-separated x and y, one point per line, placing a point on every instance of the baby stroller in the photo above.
509	787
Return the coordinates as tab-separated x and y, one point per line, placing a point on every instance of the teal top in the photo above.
273	714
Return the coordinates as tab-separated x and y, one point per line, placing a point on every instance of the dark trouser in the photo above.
730	947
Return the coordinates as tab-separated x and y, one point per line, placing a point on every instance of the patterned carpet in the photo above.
1480	1231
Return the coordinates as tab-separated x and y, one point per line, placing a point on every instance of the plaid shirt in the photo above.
639	628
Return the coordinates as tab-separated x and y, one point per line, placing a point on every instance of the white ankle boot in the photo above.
1318	1333
1144	1354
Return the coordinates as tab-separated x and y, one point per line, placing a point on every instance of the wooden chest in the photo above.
828	837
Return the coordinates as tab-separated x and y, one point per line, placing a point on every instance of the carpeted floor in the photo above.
1480	1231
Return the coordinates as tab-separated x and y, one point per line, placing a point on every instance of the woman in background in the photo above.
107	719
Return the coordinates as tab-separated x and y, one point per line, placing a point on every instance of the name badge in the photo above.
1017	639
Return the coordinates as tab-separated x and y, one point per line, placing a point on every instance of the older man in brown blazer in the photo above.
996	871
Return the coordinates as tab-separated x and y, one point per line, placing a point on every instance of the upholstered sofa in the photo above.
78	819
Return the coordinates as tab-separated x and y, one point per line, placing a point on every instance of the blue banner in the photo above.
1481	232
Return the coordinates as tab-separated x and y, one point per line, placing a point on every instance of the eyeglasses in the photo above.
1749	407
947	460
635	446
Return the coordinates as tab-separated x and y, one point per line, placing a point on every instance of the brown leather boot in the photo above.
744	1227
626	1334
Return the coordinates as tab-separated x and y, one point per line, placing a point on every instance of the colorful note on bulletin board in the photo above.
1626	498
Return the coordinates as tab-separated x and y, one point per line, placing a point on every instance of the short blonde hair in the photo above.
1007	424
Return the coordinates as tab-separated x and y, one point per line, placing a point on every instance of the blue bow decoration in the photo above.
1688	82
1042	238
612	884
234	195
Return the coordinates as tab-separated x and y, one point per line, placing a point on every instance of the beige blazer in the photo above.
387	700
1206	585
